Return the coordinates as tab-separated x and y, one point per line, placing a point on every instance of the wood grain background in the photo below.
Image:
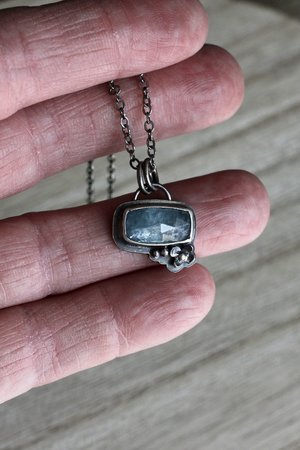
233	382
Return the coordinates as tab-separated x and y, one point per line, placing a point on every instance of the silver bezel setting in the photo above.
119	225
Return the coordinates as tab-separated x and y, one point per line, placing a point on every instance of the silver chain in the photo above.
115	90
149	124
90	180
111	179
135	163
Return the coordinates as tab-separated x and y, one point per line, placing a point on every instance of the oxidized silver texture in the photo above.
175	258
175	255
115	89
90	181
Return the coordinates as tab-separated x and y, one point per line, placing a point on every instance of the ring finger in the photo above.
54	252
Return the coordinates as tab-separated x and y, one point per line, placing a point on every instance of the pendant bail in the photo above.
156	187
147	176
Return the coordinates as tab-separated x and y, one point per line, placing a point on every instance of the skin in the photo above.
60	310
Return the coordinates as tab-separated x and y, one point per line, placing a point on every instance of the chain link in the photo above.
115	89
111	179
149	124
90	180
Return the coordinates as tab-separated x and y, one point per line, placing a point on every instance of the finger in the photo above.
54	252
45	341
54	135
69	46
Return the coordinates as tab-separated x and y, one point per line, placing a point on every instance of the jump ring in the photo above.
147	176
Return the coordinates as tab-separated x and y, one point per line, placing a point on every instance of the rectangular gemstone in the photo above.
155	225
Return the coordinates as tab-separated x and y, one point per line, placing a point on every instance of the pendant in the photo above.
163	229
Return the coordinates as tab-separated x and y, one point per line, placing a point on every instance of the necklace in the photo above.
161	228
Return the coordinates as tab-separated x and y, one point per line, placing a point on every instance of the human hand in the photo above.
69	298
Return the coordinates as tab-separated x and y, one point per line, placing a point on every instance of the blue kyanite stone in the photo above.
158	225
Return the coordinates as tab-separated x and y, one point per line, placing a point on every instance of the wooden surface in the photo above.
234	381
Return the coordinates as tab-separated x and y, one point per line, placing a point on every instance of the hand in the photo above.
69	298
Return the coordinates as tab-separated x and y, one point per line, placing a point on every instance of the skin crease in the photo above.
43	253
69	298
69	46
51	136
98	329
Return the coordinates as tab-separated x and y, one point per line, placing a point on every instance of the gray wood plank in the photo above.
16	3
290	7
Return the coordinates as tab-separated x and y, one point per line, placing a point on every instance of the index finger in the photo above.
57	49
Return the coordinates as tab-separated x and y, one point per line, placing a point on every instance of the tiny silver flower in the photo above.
175	258
183	256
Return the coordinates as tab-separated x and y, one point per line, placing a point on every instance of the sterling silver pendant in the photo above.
163	229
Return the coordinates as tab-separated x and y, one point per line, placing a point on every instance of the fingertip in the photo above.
183	30
210	86
206	291
193	297
257	203
197	25
234	217
241	216
175	304
221	80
